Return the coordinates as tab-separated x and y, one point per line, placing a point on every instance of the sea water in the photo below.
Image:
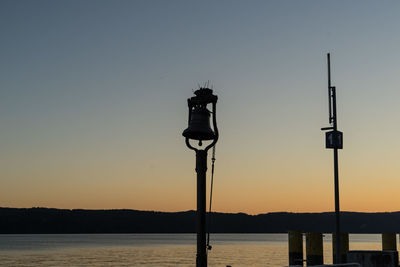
157	249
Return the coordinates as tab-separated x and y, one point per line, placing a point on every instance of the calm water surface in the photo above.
155	249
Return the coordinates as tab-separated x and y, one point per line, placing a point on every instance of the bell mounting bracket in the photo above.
203	97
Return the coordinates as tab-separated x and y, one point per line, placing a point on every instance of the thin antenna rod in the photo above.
329	87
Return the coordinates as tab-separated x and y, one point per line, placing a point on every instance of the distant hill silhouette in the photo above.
46	221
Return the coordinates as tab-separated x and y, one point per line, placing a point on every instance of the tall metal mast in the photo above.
334	140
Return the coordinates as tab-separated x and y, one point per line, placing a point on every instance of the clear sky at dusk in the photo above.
93	103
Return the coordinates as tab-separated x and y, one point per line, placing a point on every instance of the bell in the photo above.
199	125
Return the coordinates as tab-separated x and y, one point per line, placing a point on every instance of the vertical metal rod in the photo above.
337	207
201	169
336	170
333	120
329	87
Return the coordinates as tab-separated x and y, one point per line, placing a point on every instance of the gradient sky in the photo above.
93	103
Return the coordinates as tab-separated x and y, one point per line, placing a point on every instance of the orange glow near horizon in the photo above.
235	191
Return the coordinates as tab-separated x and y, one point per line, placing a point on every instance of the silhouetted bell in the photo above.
199	125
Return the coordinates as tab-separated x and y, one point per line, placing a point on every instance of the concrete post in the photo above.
344	247
389	241
314	249
295	248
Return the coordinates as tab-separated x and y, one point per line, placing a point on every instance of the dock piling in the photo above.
314	249
389	241
344	247
295	248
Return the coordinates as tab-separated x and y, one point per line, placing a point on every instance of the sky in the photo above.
93	103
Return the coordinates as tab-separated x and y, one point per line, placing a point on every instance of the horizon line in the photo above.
192	210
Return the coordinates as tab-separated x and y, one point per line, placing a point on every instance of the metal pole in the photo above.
201	169
336	170
337	207
329	87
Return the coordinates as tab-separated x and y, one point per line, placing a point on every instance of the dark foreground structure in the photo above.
387	257
50	221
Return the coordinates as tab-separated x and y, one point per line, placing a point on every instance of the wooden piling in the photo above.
314	249
389	241
344	247
295	248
